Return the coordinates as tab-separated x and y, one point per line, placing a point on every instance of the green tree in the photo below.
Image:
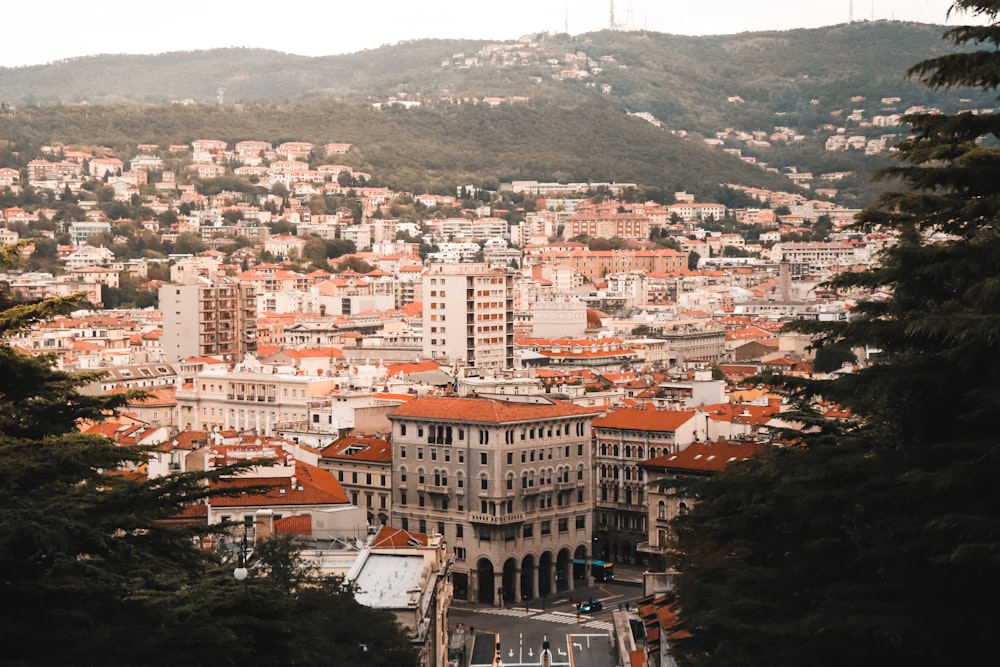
853	546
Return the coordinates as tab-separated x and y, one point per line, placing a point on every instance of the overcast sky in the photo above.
40	31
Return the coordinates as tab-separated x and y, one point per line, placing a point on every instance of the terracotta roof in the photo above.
645	419
406	369
396	538
486	410
357	448
706	457
318	487
299	524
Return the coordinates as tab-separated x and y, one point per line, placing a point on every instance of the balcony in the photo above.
504	520
566	486
440	489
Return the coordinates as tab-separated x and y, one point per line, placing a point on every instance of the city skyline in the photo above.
58	30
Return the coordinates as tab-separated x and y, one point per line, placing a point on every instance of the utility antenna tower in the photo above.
612	3
850	11
220	95
629	16
566	19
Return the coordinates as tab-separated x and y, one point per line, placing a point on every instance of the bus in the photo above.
602	570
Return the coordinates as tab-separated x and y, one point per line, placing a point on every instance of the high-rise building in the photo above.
508	485
208	318
469	315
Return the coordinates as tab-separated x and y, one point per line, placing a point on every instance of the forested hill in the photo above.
684	81
546	107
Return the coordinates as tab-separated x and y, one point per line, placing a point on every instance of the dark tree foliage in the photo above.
92	573
878	540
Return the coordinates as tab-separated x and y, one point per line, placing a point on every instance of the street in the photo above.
583	640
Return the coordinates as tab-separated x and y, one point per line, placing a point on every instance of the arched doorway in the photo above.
484	581
564	570
527	578
508	592
545	574
581	563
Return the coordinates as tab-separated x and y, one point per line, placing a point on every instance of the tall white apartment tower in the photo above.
469	315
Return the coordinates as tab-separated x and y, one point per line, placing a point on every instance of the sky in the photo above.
42	32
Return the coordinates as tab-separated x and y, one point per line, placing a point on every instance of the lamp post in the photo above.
241	571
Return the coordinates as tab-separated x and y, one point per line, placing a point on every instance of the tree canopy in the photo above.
878	540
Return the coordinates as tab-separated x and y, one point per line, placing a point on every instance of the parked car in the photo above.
591	606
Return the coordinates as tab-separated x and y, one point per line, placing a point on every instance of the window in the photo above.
579	496
368	479
510	483
354	478
402	430
402	475
402	497
529	530
563	525
459	530
461	457
404	523
484	483
420	499
579	450
423	525
546	528
483	458
440	527
420	453
510	458
581	522
402	452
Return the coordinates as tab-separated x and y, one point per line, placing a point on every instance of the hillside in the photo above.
683	80
572	97
427	149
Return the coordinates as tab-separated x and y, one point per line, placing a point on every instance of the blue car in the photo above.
591	607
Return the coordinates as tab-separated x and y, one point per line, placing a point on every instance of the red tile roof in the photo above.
369	449
706	457
300	524
486	410
645	419
318	487
396	538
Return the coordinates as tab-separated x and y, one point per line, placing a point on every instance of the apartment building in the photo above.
625	438
363	466
209	318
248	401
469	315
508	485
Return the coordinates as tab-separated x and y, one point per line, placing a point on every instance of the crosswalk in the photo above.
550	617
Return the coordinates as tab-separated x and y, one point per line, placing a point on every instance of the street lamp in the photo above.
241	571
